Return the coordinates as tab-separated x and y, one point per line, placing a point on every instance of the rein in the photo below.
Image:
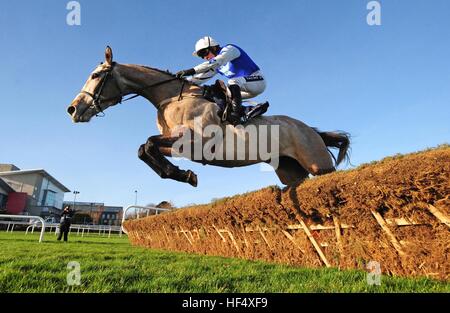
96	96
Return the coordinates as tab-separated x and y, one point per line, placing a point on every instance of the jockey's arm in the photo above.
201	78
227	54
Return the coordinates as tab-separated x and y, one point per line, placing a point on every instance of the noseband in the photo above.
108	73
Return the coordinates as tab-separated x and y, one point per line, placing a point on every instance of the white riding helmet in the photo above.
203	43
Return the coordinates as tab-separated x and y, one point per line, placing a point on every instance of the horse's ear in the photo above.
108	55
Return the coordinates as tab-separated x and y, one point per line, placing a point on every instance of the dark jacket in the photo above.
66	217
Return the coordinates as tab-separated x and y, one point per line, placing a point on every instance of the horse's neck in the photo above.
137	77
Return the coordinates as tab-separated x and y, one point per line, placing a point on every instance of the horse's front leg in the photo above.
152	154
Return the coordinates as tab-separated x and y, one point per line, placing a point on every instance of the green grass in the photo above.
113	265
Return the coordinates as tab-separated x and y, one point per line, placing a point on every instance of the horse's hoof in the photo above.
192	178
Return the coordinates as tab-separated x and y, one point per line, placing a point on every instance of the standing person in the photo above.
65	222
245	78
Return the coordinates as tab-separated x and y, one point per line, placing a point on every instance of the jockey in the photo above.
245	79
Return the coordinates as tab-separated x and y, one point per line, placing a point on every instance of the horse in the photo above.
301	149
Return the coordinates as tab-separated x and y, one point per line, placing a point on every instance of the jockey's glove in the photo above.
185	73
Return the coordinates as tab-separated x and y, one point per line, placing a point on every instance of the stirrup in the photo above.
228	116
257	110
232	116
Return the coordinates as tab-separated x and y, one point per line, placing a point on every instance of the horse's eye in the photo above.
95	75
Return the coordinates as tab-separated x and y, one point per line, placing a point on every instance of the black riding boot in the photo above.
236	105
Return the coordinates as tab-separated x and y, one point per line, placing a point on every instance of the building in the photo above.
33	192
5	190
95	213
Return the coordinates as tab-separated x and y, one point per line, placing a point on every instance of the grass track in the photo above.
112	265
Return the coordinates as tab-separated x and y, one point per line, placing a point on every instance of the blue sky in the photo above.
387	85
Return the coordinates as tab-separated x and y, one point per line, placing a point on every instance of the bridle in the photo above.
108	73
96	101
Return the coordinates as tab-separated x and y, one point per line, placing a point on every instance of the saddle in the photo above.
219	94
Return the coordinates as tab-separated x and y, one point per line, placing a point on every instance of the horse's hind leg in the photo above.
312	154
318	163
290	172
150	153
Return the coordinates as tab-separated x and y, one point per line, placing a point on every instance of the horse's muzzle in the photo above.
72	110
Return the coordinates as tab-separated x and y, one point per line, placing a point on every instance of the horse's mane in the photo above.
158	70
168	73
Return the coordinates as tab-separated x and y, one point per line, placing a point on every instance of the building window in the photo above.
49	198
3	199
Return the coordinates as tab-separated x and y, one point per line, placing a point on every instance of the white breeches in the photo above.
251	86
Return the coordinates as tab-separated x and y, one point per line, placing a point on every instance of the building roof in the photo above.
5	167
5	186
37	171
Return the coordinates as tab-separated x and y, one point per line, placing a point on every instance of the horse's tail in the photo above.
339	140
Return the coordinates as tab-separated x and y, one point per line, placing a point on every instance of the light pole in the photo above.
74	198
135	198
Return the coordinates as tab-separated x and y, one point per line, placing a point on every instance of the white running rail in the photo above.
27	217
139	209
